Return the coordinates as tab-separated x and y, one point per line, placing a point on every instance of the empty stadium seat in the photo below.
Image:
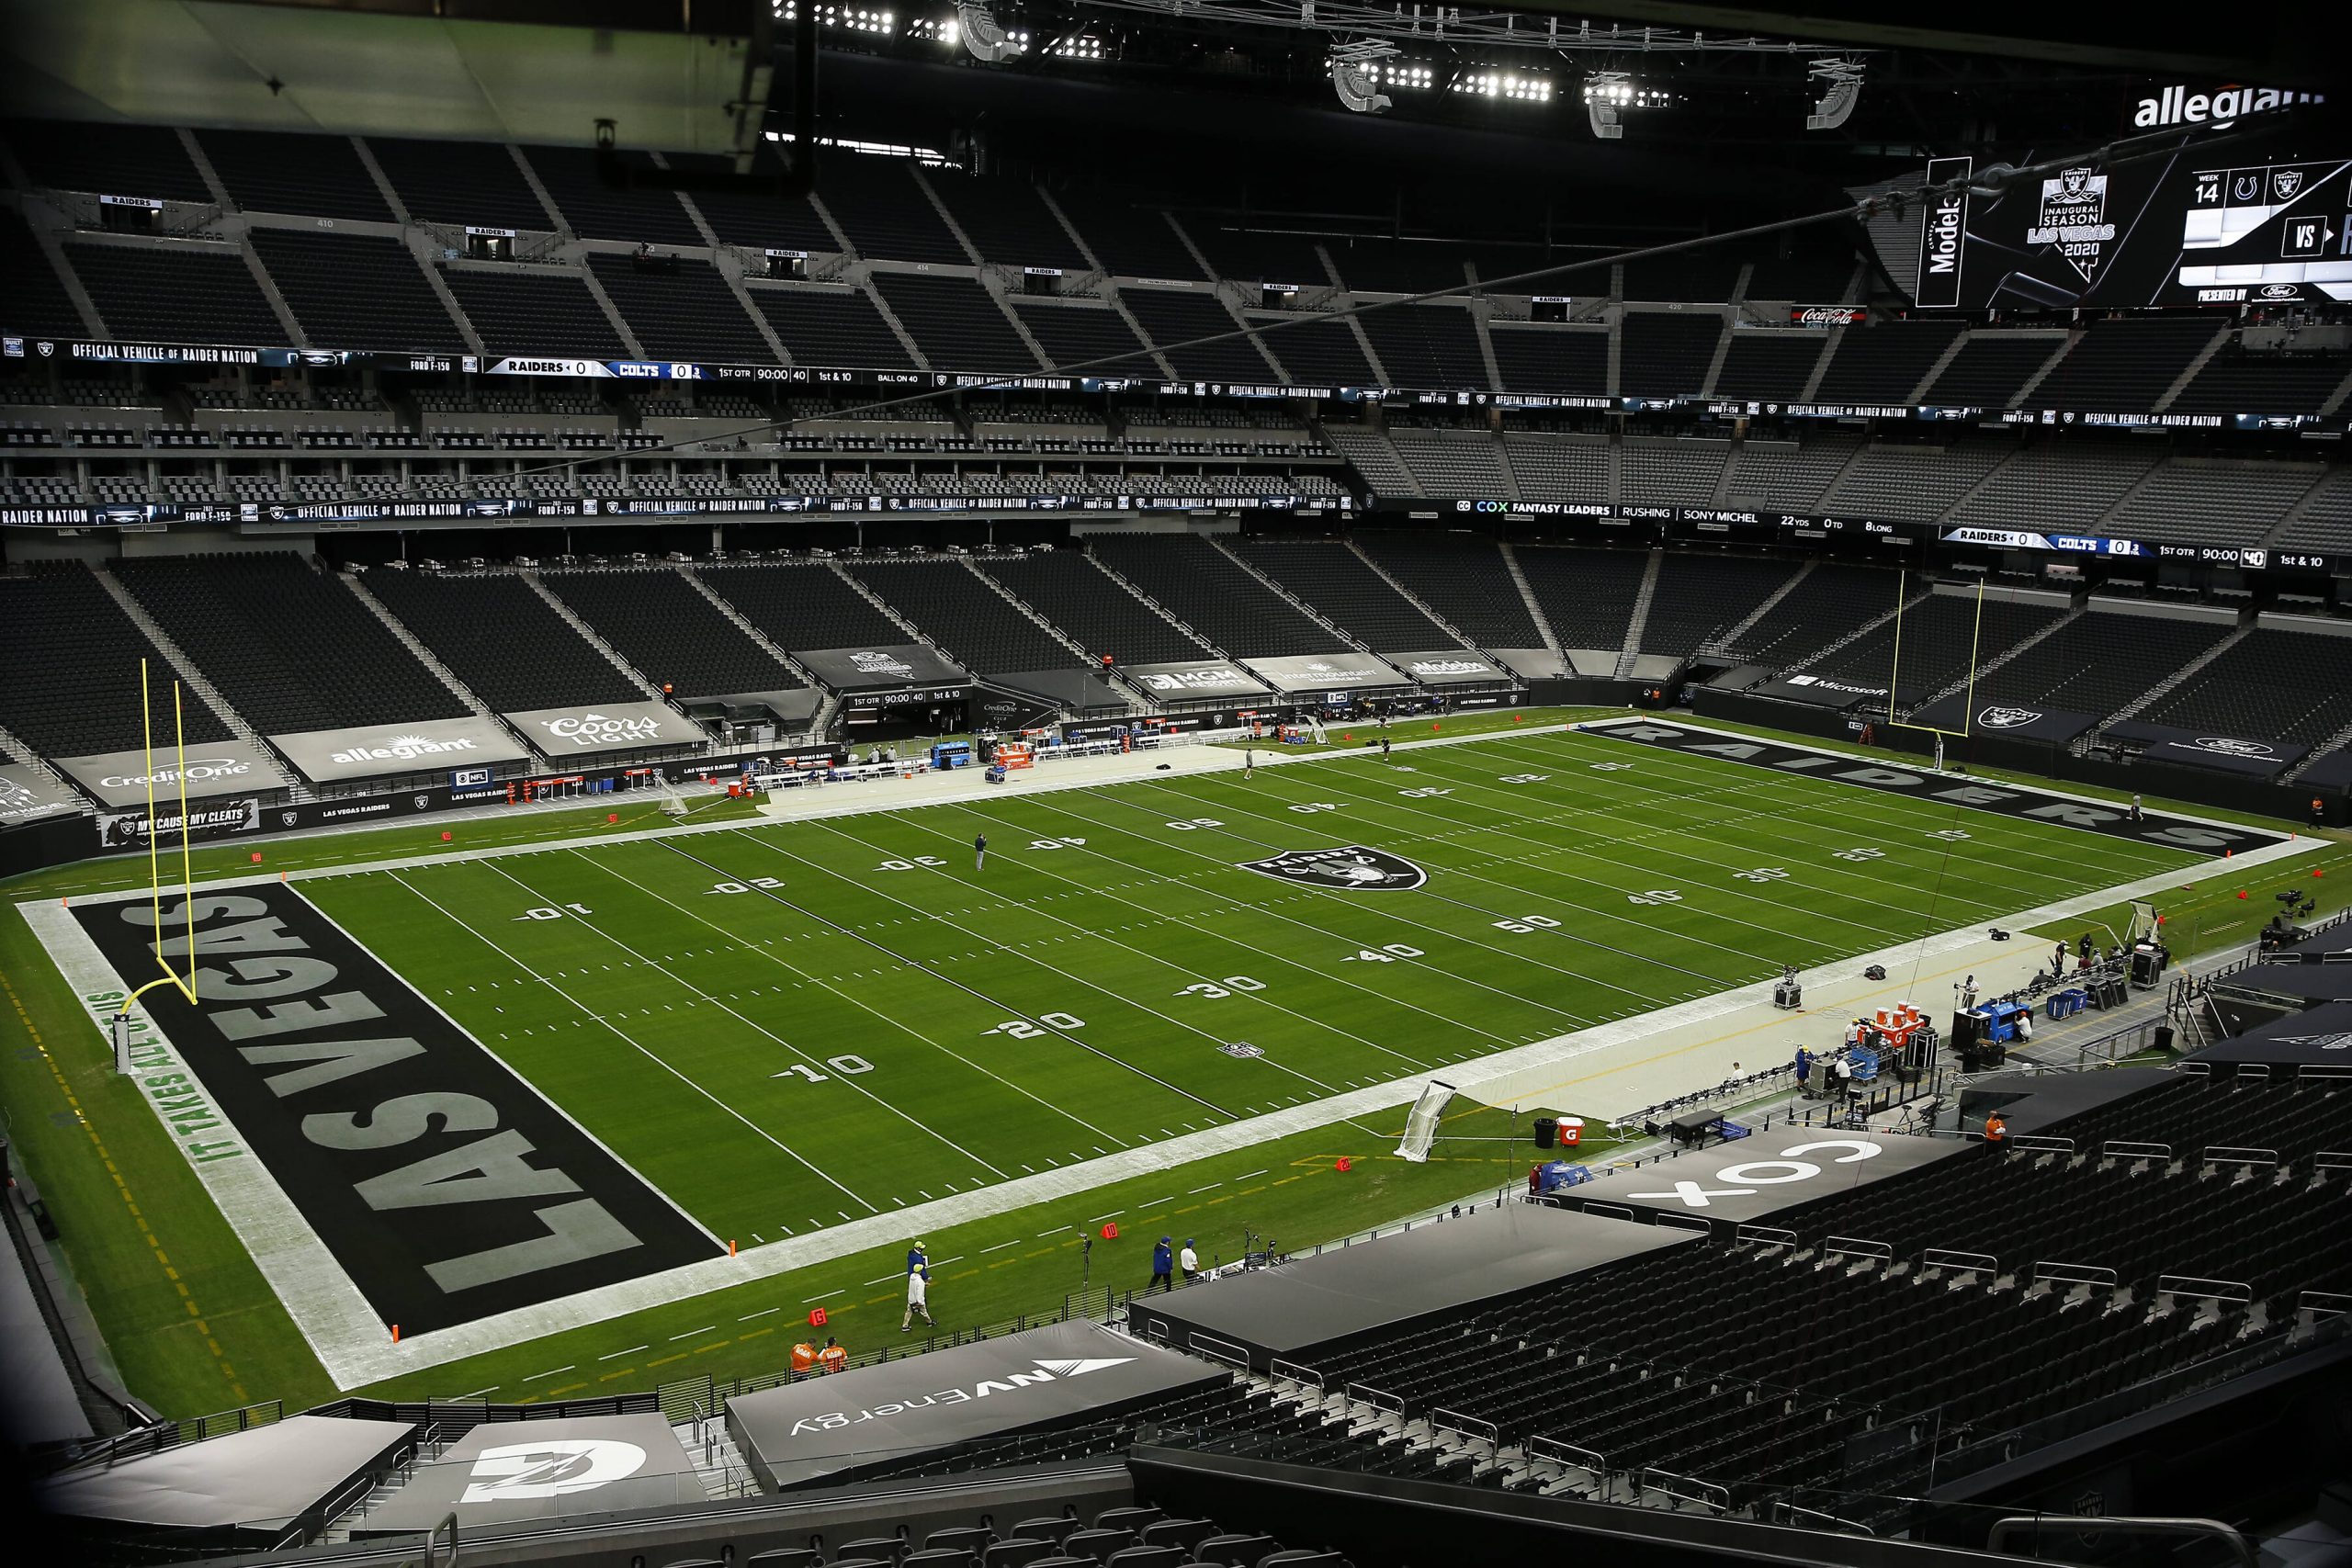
508	645
1333	578
670	634
1203	588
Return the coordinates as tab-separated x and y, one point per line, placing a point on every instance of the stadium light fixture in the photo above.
983	37
1355	70
1607	96
1841	79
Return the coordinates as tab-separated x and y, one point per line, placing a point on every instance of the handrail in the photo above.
2115	1149
1950	1257
2332	1159
1455	1421
1295	1372
2041	1143
1998	1540
1764	1235
1374	1396
1828	1521
2230	1155
1201	1344
1567	1452
2177	1285
2305	1302
1685	1222
1856	1247
1706	1493
1614	1211
2080	1273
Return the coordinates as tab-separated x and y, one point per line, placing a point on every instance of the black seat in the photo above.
967	1538
784	1557
1097	1544
1018	1552
1130	1518
881	1548
938	1557
1147	1557
1186	1533
1302	1559
1236	1551
1049	1529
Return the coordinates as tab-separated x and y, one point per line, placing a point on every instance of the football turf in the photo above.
906	969
788	1026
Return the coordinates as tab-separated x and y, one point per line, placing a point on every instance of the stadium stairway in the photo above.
1638	622
1808	661
2013	652
196	681
1534	606
1731	636
1117	679
2164	687
762	640
1304	608
1409	597
588	635
426	657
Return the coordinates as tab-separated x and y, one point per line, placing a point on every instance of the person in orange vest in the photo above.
832	1358
1997	1131
803	1358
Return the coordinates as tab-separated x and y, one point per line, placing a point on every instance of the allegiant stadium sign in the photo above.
2177	105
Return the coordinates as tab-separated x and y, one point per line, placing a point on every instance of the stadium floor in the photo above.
890	1039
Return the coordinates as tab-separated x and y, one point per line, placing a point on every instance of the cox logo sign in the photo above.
1750	1177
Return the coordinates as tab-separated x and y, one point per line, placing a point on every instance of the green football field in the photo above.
784	1027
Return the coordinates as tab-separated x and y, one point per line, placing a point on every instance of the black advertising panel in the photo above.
2249	225
2017	721
1943	237
2208	749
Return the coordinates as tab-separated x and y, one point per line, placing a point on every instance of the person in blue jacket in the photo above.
1804	1070
1163	1267
917	1258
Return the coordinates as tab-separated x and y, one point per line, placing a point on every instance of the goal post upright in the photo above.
1894	674
186	985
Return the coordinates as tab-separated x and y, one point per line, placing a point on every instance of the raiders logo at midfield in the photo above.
1350	868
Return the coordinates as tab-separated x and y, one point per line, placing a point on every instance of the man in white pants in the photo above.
918	1299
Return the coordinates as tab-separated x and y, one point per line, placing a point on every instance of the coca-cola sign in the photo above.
1827	315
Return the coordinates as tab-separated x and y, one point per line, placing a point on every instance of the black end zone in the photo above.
447	1188
2001	799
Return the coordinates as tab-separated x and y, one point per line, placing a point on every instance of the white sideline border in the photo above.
354	1346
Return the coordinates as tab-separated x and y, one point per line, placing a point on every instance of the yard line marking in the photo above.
761	1312
881	1279
1000	1246
1260	997
771	895
690	1333
826	1297
619	1354
1247	1177
557	1372
1112	1215
1149	1201
761	1132
974	991
480	1392
1210	1187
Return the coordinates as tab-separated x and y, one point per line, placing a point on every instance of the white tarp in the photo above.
383	750
221	767
28	796
607	727
1324	673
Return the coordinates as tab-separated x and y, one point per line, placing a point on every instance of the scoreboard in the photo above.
2161	231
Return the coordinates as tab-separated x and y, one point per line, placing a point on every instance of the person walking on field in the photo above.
1249	765
918	1300
980	850
1188	1261
1163	1267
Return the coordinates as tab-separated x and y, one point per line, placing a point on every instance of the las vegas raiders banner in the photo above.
1350	868
386	751
506	1472
2013	720
832	1428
